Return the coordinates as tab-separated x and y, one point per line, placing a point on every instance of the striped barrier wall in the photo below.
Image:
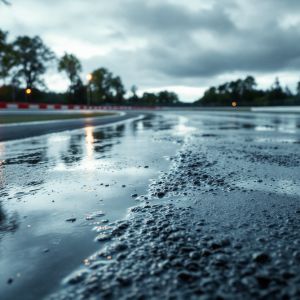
33	106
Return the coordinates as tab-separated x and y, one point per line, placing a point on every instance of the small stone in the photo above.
121	256
221	259
237	245
214	245
194	255
10	280
184	275
71	219
97	264
260	257
124	280
46	250
121	246
296	254
187	249
160	194
123	226
191	266
205	252
103	238
263	280
133	195
78	277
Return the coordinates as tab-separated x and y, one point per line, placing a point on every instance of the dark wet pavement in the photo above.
47	179
230	168
10	132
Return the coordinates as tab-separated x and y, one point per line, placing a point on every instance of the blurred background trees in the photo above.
70	64
7	57
31	58
25	61
106	88
244	93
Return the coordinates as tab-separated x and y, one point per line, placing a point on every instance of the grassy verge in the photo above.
6	119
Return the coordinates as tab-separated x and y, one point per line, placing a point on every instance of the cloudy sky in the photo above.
177	45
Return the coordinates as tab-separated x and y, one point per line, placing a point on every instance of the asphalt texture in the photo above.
193	206
9	132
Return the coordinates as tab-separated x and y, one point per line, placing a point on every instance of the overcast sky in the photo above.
183	46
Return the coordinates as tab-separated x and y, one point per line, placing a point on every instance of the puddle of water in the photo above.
48	179
73	175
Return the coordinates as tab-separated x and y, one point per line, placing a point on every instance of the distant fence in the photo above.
33	106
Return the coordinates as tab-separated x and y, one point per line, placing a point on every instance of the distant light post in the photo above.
28	93
89	78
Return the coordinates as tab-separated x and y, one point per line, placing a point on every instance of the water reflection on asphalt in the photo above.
48	179
74	175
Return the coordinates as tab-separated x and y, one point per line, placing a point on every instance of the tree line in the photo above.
242	92
24	62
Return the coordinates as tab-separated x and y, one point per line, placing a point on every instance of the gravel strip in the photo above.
217	239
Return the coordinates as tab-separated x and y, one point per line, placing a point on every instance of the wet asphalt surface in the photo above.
9	132
170	205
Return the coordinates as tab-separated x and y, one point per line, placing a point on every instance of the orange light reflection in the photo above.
89	138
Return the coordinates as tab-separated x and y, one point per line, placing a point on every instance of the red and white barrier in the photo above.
34	106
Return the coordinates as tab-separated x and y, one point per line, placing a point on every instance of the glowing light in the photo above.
89	138
89	77
233	104
28	91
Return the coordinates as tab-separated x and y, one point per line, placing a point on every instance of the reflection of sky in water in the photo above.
264	128
182	128
259	122
73	174
89	138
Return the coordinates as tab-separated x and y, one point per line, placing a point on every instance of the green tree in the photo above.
70	64
134	96
117	90
249	83
276	92
7	57
149	98
32	59
167	97
134	90
107	87
298	88
234	91
101	83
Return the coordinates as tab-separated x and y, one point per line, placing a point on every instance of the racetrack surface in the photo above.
170	205
18	131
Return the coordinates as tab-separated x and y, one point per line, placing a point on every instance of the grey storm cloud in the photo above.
162	42
170	19
173	47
